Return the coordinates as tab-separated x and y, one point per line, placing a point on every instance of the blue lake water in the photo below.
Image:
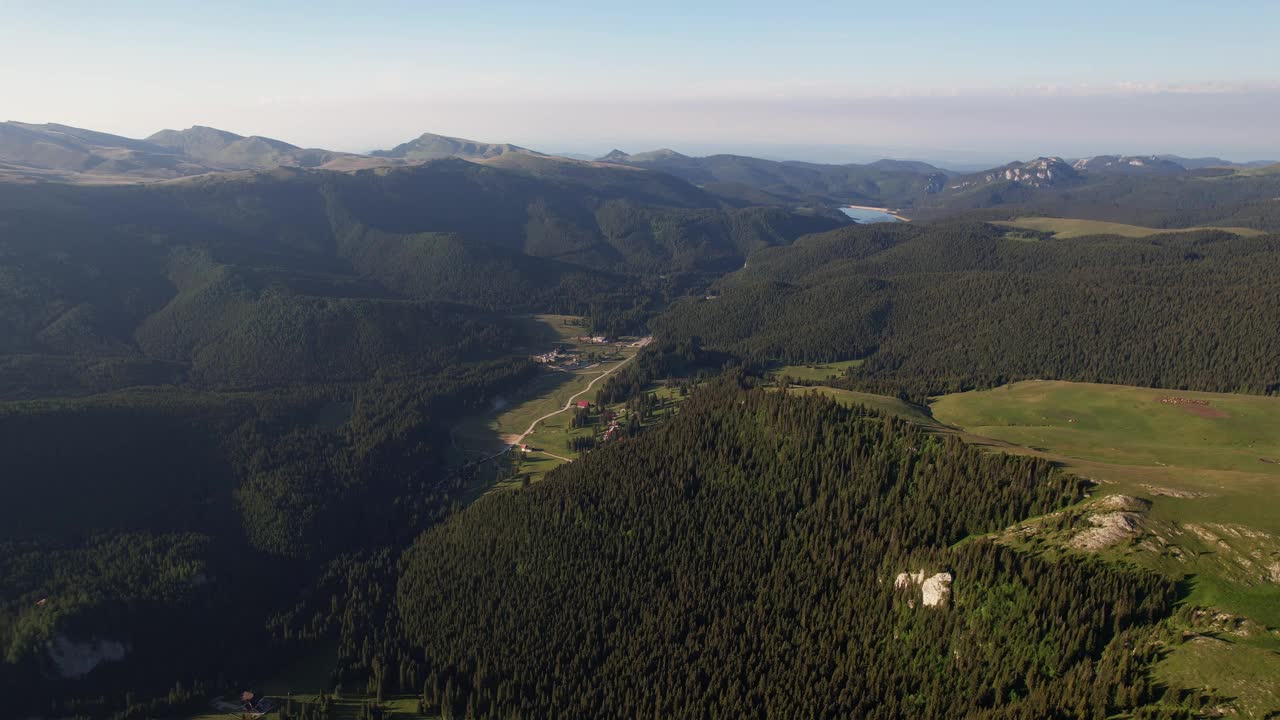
863	215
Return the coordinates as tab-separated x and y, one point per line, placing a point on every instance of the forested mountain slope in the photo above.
215	392
948	306
147	537
743	561
292	275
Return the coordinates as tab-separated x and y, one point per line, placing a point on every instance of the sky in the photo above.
845	81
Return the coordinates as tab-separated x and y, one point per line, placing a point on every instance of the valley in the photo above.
534	420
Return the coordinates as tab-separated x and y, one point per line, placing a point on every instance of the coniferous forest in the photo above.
741	562
959	305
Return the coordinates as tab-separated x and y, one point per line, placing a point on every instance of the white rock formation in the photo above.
936	590
933	591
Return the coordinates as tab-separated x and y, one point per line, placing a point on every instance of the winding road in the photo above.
567	405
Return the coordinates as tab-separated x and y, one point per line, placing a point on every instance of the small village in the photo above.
587	351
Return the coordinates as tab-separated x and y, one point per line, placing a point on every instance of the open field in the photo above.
1232	666
400	707
552	435
1129	425
548	393
1205	471
535	415
1065	228
815	372
302	681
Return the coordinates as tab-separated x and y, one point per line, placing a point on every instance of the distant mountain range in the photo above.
1212	162
770	181
52	152
64	153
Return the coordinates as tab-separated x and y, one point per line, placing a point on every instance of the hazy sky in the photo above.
944	79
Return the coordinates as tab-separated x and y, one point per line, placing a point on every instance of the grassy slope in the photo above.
1073	227
1221	449
484	434
1215	505
554	433
816	372
546	394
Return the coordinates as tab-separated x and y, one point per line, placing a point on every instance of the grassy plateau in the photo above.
1202	471
1066	228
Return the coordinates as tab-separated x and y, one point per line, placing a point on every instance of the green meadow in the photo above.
1208	464
815	372
1066	228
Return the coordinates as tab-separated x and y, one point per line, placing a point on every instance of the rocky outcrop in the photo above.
931	591
1128	165
1113	519
1041	172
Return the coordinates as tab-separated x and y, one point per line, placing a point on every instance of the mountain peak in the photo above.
1129	165
655	155
429	146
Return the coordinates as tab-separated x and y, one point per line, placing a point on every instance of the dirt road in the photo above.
567	406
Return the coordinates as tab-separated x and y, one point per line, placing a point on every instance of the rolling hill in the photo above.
433	147
64	149
1015	308
60	152
751	179
228	151
197	277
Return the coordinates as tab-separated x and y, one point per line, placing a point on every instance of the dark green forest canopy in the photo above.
146	510
954	305
741	562
257	279
245	377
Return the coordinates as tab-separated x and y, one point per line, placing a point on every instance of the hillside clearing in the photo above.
1066	228
815	372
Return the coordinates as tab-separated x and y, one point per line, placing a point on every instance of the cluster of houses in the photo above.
556	356
609	416
610	431
625	341
562	358
566	357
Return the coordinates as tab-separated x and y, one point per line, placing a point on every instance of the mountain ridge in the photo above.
430	146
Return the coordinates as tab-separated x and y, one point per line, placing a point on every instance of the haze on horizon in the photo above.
929	79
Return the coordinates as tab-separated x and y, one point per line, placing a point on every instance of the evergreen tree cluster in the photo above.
958	305
740	561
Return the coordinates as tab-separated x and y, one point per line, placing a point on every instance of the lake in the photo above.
867	215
